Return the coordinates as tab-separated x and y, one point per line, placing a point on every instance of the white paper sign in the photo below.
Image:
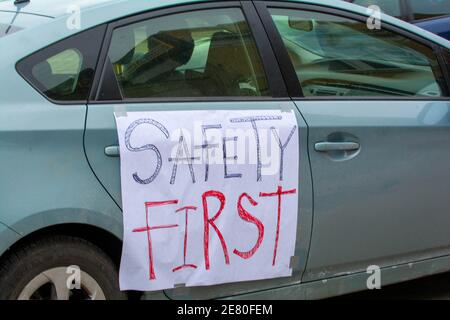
209	197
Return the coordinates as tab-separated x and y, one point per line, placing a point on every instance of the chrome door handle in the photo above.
336	146
112	151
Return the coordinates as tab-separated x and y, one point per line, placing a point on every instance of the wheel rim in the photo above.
52	285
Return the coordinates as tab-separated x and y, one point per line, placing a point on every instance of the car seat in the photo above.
228	65
155	74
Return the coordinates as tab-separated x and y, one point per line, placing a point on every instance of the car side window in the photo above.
64	71
337	56
202	53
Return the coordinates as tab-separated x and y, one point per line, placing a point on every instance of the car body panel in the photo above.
396	213
101	132
93	16
11	22
54	9
7	237
349	283
46	179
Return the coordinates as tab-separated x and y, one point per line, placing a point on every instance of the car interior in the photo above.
185	63
341	59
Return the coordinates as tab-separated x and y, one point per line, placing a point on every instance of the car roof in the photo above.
52	8
96	12
57	8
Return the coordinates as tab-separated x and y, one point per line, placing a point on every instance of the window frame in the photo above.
288	70
105	86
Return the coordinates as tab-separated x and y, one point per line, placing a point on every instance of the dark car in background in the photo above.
432	15
439	26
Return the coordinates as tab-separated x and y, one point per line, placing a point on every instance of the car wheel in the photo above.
59	268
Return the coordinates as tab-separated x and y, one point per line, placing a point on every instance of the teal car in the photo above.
372	105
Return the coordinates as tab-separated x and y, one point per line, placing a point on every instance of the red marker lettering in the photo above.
246	216
278	194
184	265
147	229
211	222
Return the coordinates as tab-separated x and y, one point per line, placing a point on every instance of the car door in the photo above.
377	107
234	82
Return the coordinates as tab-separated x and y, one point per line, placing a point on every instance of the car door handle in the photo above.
112	151
336	146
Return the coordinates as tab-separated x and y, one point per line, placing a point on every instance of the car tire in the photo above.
40	270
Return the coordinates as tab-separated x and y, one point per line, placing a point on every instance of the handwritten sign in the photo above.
209	197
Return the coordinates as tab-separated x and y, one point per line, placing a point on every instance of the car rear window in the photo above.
11	22
64	71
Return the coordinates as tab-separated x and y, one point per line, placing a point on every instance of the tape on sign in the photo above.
120	114
285	107
295	262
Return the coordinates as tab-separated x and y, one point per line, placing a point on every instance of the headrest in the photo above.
225	51
122	46
177	45
42	72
